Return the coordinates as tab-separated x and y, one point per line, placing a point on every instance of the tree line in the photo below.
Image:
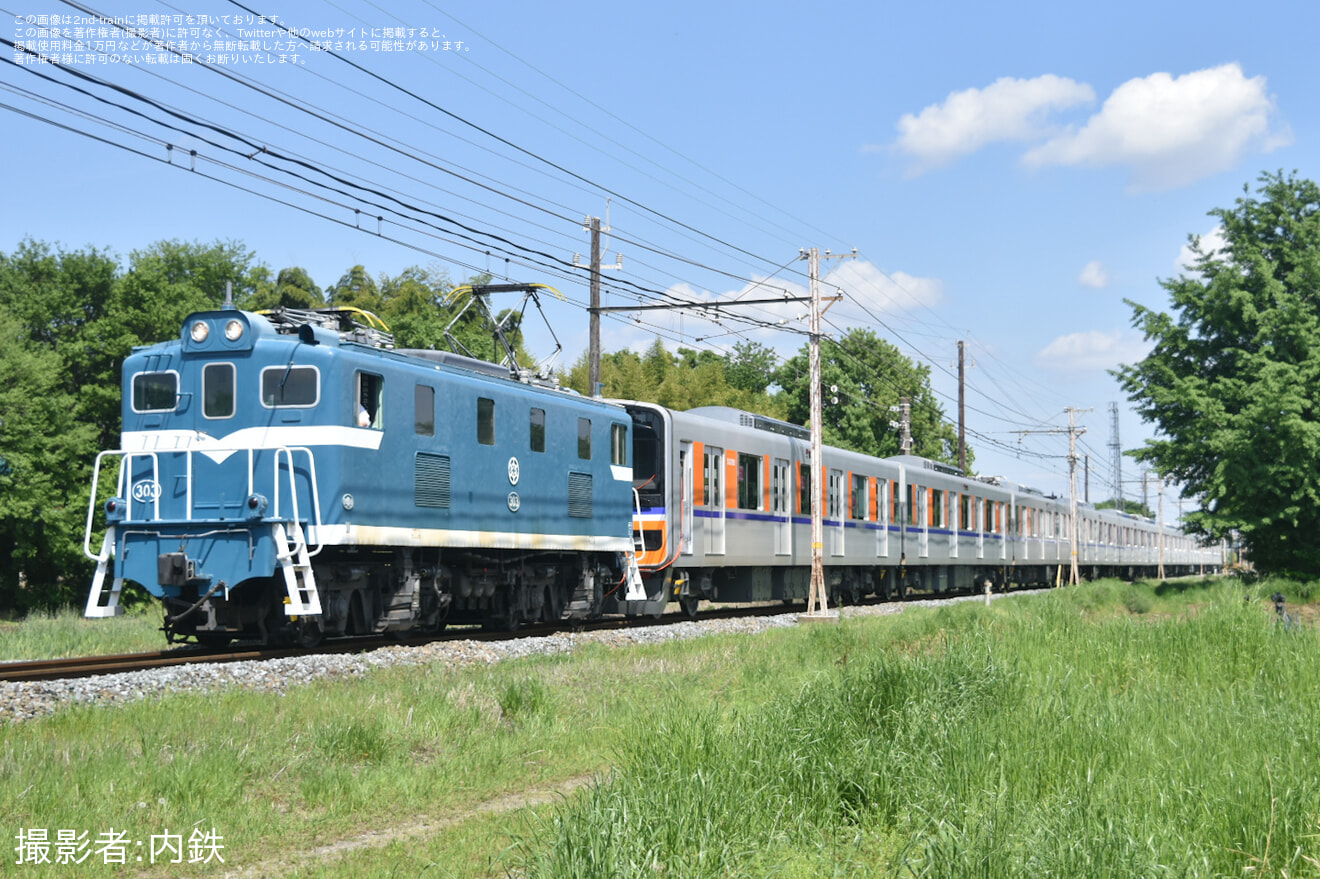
69	317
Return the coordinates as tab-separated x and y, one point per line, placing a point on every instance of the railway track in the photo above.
92	666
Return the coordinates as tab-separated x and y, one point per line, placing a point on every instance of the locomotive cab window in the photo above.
536	428
290	386
485	421
370	396
584	439
424	410
218	390
619	445
155	391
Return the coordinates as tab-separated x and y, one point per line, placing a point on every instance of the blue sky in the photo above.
1008	176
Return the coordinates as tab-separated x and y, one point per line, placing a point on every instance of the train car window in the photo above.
155	391
894	501
619	445
536	430
804	489
424	410
218	390
584	439
910	500
749	482
485	421
290	386
936	517
857	498
648	457
370	394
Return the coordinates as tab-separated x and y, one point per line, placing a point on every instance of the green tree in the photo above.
46	451
355	289
293	288
1233	382
751	366
70	318
863	376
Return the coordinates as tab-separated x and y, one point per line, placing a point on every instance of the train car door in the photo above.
982	524
685	500
923	514
714	497
779	500
834	510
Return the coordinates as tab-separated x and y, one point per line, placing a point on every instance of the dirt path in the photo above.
421	826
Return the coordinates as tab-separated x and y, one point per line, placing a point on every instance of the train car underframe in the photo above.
366	591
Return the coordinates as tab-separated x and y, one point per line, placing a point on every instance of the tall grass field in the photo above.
1064	736
1110	730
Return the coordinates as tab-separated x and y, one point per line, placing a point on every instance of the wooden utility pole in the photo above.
1073	535
1073	433
962	409
1161	565
817	599
593	355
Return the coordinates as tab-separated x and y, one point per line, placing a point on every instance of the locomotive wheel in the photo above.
689	604
310	634
551	609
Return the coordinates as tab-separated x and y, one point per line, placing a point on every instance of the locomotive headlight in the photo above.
234	330
256	506
200	331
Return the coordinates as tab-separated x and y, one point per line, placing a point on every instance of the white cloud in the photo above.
880	292
1092	350
1210	242
1172	130
1094	274
1007	110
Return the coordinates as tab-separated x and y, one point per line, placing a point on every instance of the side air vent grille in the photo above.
432	480
579	495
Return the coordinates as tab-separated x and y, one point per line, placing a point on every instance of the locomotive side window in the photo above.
424	410
537	430
619	445
370	395
290	386
584	439
485	421
218	390
749	482
155	391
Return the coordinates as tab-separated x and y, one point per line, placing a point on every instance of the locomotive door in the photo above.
685	498
713	497
834	510
779	483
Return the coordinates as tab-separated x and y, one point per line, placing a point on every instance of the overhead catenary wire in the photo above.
651	290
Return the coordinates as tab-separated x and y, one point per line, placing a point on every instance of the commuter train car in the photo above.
287	477
724	513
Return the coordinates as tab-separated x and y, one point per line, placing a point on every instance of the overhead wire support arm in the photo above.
715	305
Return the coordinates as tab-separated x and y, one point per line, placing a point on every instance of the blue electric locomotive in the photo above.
290	476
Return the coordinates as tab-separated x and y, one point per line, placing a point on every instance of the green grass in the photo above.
1064	736
52	635
1069	734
